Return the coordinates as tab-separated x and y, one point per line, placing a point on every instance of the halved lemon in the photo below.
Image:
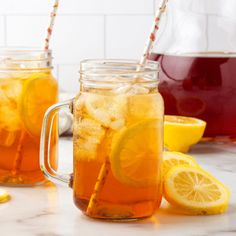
39	93
195	190
171	159
136	153
4	196
180	132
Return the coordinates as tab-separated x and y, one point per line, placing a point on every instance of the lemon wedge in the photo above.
136	153
180	132
4	196
195	190
171	159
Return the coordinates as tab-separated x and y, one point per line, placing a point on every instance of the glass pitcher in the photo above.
117	140
27	89
196	49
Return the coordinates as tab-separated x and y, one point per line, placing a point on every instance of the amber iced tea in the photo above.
123	134
24	97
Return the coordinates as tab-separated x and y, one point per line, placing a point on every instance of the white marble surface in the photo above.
49	211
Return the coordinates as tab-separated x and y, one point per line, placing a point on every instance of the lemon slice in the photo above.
171	159
136	153
180	132
88	134
38	94
4	196
107	110
195	190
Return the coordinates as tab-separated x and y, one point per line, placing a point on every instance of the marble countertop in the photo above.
49	210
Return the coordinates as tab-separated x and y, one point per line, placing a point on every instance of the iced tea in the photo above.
118	152
25	94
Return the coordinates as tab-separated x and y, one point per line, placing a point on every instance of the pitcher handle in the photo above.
47	170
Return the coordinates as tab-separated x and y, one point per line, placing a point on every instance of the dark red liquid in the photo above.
202	87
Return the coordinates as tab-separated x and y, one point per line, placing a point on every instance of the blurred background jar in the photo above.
27	89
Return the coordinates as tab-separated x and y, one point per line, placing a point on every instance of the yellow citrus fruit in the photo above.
195	190
4	196
171	159
39	93
136	153
180	132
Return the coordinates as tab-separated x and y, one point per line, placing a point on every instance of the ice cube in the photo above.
10	93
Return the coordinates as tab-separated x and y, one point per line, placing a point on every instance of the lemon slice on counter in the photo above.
136	153
180	132
195	190
4	196
171	159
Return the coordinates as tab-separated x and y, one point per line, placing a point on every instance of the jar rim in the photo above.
102	67
20	58
113	73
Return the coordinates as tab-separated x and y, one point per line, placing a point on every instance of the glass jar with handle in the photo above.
117	140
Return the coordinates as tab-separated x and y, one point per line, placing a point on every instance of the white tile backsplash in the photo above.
107	7
68	77
26	30
78	37
2	31
83	29
126	35
25	6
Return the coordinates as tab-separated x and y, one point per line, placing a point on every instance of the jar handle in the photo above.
47	124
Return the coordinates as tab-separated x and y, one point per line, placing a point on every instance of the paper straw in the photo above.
50	28
98	187
152	36
18	156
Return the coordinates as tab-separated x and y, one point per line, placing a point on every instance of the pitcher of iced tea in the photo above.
117	139
27	89
196	48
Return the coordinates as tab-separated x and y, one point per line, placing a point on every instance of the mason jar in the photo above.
27	89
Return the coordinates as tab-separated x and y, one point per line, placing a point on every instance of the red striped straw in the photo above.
50	28
152	36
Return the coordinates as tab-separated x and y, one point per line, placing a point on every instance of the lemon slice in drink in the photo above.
180	132
171	159
4	196
195	190
136	153
39	93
